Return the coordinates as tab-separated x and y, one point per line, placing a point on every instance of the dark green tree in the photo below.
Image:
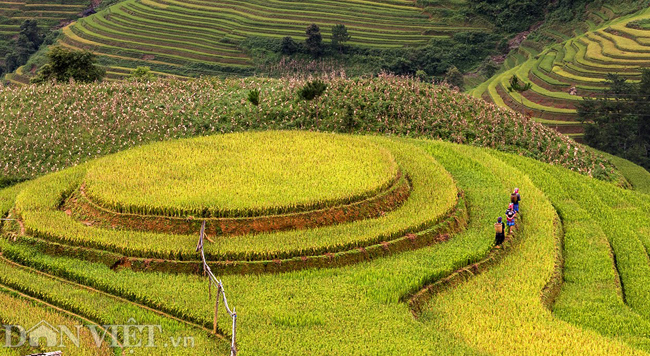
618	122
509	16
312	91
455	78
421	75
11	62
27	43
314	40
254	97
289	46
30	29
515	85
339	36
349	120
489	67
519	87
64	64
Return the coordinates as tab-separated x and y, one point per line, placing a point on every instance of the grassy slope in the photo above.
357	309
636	175
39	135
19	310
38	202
341	170
606	239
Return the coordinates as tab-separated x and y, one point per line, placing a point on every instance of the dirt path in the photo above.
549	293
419	300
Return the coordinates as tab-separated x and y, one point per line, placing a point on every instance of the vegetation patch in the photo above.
241	175
361	301
85	210
39	135
433	195
563	74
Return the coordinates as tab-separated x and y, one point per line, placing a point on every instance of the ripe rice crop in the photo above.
204	37
241	175
360	309
104	309
18	310
432	196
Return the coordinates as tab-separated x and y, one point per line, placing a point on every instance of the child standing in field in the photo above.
500	229
515	198
510	217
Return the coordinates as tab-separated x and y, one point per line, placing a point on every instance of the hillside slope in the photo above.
562	74
203	37
564	243
38	134
48	14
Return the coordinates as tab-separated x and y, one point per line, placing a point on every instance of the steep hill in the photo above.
563	73
48	13
203	37
572	45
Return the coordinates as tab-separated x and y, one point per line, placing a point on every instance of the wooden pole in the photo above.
233	345
216	310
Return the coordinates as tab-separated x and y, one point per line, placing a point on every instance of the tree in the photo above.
510	16
27	43
11	62
289	46
254	97
349	121
421	75
312	90
339	36
455	78
64	64
30	29
489	67
619	121
314	40
141	74
516	86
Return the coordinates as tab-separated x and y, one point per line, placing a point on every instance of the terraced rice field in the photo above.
48	13
572	280
581	62
202	37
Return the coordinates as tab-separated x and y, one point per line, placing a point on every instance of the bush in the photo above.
142	74
65	64
312	90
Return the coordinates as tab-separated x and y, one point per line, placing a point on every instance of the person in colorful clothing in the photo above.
510	217
515	198
500	229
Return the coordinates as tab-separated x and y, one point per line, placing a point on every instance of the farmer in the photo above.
510	217
515	198
500	229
